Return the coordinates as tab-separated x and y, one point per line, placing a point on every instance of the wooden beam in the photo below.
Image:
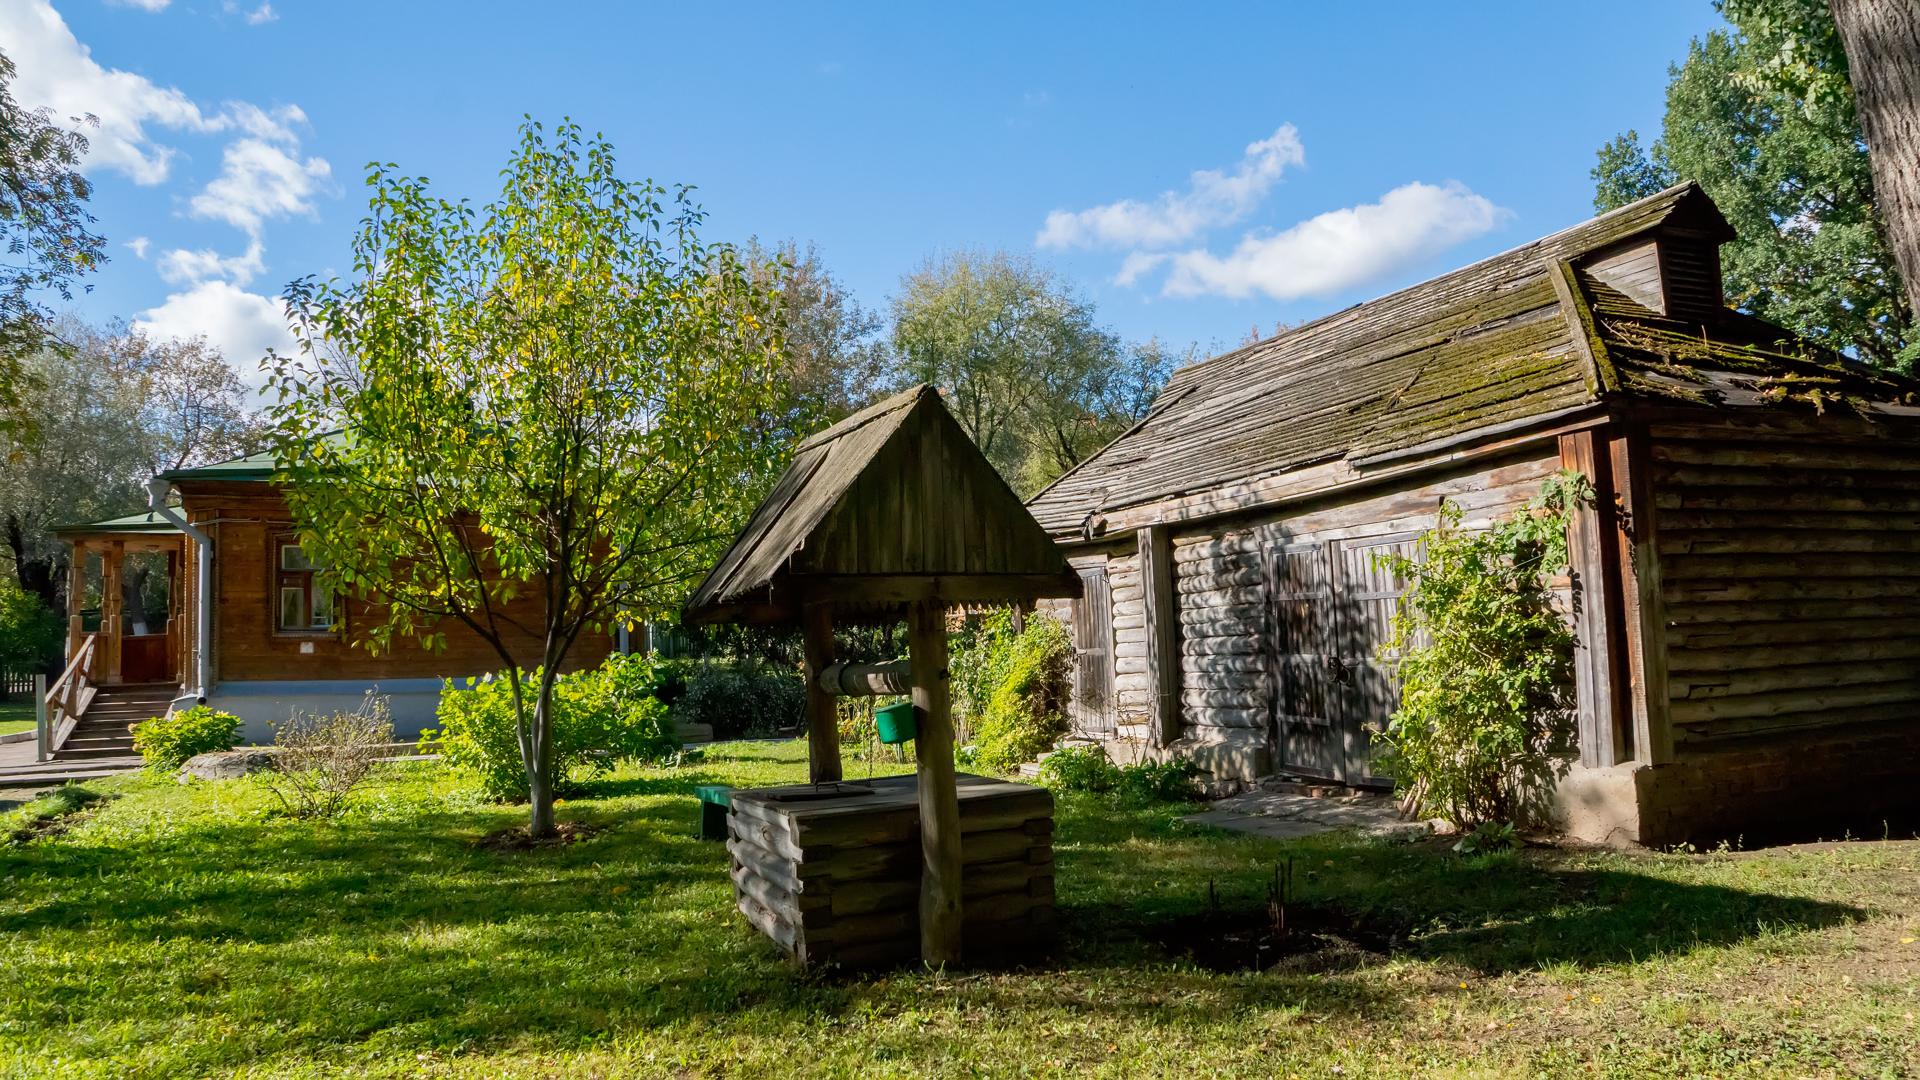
867	680
1162	615
111	603
940	855
823	715
1644	608
1596	580
76	596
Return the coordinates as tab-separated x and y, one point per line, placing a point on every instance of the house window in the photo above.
301	607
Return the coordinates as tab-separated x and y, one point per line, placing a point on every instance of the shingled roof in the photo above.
894	502
1525	334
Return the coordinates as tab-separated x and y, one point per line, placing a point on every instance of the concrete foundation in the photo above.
260	705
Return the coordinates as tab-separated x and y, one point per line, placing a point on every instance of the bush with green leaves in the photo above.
30	632
1088	769
607	714
167	742
751	698
1012	686
1486	663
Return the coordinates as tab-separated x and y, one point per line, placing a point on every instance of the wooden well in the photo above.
832	873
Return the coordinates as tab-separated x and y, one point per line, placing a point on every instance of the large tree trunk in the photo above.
1882	39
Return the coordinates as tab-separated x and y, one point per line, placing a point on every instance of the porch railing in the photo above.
68	698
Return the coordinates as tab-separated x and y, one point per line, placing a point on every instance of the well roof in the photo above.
895	495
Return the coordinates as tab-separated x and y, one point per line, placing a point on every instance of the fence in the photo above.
15	683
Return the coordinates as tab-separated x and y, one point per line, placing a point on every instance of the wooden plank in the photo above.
940	884
823	712
1642	601
1163	666
1599	709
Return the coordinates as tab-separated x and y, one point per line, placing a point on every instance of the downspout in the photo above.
203	593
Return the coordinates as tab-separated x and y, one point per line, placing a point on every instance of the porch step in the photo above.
70	752
55	773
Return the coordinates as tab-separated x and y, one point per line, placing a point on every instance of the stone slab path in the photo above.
1286	816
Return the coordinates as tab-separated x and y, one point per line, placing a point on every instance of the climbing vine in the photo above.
1486	663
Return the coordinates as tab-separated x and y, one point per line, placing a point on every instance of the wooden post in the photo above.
1603	729
1645	611
940	916
42	735
76	597
111	602
823	715
1163	657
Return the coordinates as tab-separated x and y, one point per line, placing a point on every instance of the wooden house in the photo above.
248	630
1745	593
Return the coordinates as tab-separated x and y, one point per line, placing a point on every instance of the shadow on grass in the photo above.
1135	876
403	933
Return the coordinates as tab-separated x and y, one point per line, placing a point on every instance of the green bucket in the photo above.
895	722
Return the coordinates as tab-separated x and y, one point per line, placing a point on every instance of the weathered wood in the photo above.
1708	639
1162	667
940	886
1643	605
1695	567
1823	673
1903	693
823	715
1225	716
1790	657
866	680
1245	642
1806	543
1601	713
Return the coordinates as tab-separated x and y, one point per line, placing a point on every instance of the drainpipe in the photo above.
203	594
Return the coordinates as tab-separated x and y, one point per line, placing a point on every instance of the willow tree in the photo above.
563	393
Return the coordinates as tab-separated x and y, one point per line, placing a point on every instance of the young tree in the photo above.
1793	177
565	393
45	242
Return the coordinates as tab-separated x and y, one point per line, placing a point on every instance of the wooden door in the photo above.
1304	620
1370	685
1093	705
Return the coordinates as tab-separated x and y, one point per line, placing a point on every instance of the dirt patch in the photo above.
516	838
1301	939
59	811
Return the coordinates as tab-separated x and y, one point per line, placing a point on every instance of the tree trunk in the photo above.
539	760
1882	39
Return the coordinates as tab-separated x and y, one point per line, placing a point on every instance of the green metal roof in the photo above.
132	523
256	467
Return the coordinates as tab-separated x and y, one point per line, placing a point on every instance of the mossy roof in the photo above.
1494	343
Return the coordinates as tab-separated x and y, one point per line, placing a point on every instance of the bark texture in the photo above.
1882	39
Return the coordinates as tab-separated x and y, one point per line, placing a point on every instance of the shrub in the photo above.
1087	768
321	759
1012	687
30	633
168	741
1487	672
600	716
1079	768
742	697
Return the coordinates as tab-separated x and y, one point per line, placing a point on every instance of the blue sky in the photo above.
1193	169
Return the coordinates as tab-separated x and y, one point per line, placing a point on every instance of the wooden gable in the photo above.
891	505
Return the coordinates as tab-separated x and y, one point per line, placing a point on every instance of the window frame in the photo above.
282	581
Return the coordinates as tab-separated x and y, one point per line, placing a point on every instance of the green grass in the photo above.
171	931
16	714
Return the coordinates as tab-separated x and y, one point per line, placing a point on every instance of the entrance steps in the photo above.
104	731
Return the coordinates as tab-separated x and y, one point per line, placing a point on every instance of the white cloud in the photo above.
262	14
260	180
1137	264
183	267
1212	198
144	5
59	73
241	324
1341	248
138	245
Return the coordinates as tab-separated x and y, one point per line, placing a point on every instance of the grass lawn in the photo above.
169	930
16	714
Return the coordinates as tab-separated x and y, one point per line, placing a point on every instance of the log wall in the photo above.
1790	565
1220	578
837	880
